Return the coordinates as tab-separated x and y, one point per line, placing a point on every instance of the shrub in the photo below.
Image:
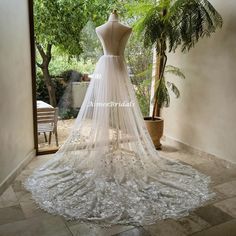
62	84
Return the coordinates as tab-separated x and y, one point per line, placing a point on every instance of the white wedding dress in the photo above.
108	171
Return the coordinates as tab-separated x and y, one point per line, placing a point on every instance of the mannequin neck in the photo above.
113	17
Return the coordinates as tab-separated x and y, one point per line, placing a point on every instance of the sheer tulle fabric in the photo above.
108	171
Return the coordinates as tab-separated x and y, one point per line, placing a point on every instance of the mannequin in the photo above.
113	35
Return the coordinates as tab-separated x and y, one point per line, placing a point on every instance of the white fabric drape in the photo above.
108	171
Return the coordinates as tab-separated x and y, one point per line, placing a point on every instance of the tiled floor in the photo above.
20	216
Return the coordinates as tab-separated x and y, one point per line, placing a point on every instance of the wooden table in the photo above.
47	117
42	104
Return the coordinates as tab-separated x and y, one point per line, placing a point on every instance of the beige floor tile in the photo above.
38	226
219	172
24	196
8	198
218	197
38	161
83	229
17	186
228	189
213	215
11	214
31	209
166	228
21	193
24	174
228	206
168	149
186	157
193	223
225	229
138	231
116	229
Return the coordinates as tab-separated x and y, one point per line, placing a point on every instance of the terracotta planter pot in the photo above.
155	128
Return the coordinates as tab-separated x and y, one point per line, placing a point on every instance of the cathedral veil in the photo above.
108	171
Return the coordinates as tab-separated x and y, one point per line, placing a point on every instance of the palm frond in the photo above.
178	23
162	94
175	71
153	27
199	19
174	89
184	24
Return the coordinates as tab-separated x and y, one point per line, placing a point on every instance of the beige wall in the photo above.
205	115
16	122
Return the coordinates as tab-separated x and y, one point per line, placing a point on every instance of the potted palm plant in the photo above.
167	25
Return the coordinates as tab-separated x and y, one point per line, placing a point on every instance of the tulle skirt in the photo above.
108	171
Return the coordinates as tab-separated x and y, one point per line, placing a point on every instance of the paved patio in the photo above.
20	216
63	129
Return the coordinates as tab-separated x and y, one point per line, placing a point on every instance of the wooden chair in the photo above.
47	122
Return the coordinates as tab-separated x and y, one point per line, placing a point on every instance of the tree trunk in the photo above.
46	58
50	87
156	108
161	59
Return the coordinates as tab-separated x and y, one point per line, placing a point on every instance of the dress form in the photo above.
113	35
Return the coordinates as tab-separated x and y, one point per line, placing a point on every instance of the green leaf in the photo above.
181	22
175	71
174	89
